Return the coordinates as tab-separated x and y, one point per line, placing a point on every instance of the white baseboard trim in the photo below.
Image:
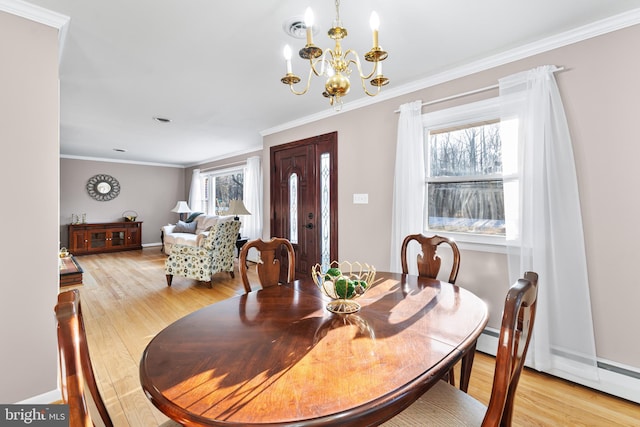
615	379
148	245
44	398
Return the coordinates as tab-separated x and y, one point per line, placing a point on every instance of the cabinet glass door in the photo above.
118	238
98	239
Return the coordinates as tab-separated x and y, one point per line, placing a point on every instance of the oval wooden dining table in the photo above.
277	357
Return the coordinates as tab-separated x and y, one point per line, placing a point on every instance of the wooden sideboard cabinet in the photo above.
94	238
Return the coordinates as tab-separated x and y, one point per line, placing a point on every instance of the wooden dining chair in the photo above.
78	382
268	266
447	406
77	379
429	261
429	266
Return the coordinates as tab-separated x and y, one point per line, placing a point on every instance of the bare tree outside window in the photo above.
228	187
464	179
220	189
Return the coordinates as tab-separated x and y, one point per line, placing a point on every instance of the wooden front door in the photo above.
304	199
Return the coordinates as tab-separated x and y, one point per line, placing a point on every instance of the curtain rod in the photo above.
463	94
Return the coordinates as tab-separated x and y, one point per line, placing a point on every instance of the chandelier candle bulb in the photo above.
287	57
308	22
374	22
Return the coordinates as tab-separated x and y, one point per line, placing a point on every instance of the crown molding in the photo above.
166	165
40	15
133	162
228	155
597	28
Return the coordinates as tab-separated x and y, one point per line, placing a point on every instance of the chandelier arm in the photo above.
333	56
328	62
358	65
364	88
302	92
312	66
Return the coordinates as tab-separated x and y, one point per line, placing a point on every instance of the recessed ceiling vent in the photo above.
295	27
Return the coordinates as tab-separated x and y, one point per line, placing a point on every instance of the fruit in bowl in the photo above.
343	282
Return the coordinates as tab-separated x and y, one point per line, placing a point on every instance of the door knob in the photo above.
309	226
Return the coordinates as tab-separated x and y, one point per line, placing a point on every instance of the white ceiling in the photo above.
214	67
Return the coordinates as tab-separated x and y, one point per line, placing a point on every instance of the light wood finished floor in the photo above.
126	301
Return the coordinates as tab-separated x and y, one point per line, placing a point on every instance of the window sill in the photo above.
474	242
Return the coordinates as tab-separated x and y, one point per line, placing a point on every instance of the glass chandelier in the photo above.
336	64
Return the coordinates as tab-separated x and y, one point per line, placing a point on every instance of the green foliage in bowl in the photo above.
342	281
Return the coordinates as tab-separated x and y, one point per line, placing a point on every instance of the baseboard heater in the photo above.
614	378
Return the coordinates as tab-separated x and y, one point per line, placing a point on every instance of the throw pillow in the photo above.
185	227
193	216
205	222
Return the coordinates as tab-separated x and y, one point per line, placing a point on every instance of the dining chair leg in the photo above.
169	279
465	370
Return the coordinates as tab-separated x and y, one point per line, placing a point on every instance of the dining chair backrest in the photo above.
268	266
515	333
78	382
428	261
446	405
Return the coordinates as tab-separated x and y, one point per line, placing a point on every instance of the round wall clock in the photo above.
103	187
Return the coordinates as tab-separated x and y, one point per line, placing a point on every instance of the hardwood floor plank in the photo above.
544	400
126	302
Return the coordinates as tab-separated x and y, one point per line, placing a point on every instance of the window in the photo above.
218	188
293	208
464	171
325	208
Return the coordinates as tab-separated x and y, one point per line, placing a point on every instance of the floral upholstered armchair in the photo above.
201	262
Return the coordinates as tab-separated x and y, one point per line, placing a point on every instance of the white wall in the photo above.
600	89
29	111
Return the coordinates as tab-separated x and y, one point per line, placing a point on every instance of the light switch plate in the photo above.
362	199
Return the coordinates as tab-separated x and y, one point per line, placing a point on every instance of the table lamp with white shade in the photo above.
182	209
236	207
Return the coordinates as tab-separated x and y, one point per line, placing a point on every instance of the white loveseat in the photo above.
189	233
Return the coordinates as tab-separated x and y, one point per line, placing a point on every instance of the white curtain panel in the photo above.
195	192
544	222
408	186
252	194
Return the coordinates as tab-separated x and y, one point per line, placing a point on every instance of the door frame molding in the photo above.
331	139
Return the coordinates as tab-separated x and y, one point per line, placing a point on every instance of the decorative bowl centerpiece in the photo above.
343	282
129	216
